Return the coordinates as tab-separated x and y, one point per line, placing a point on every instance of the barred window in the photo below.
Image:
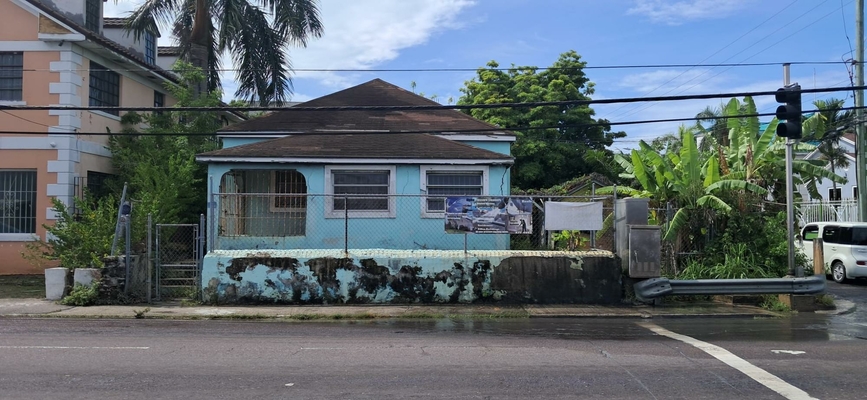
364	183
288	182
17	201
91	15
11	75
104	87
451	183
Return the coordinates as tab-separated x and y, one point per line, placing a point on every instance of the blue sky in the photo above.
418	34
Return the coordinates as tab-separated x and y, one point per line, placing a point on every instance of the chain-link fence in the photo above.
248	221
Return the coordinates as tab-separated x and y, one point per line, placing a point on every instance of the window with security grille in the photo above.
366	185
451	183
104	88
91	15
17	201
11	75
289	182
150	48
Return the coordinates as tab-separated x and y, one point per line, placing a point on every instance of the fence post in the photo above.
212	212
346	226
158	268
614	221
127	254
818	256
149	260
200	250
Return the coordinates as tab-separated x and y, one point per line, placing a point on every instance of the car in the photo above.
845	247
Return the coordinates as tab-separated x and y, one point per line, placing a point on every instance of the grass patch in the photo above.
22	286
825	300
772	302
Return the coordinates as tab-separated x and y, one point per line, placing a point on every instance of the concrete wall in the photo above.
389	276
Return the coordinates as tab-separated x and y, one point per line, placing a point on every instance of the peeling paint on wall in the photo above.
292	277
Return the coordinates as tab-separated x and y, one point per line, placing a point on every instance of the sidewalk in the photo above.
171	310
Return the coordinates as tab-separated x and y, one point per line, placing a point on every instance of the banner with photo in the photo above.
489	214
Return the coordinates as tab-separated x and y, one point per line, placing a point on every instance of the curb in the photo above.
841	307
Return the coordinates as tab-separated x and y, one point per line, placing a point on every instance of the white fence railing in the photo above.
822	211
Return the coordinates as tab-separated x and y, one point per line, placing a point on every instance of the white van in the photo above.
845	247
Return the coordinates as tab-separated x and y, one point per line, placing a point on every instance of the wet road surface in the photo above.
803	356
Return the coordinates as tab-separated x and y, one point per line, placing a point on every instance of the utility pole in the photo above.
860	136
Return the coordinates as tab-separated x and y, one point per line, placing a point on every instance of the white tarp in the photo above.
562	216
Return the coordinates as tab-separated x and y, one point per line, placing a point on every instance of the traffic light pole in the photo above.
790	192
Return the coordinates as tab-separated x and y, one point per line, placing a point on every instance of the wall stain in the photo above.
519	279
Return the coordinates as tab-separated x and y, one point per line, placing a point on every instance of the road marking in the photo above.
759	375
322	348
793	352
74	347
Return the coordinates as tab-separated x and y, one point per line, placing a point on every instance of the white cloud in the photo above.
665	80
357	34
361	35
677	12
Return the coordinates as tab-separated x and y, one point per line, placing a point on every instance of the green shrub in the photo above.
77	241
750	246
82	295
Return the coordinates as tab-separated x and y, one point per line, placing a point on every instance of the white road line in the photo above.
322	348
759	375
74	347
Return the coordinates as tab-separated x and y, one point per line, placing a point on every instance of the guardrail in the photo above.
658	287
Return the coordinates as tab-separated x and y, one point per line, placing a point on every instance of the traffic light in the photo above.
790	112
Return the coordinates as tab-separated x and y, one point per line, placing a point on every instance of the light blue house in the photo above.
355	178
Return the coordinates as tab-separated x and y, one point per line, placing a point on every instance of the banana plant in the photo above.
688	180
758	157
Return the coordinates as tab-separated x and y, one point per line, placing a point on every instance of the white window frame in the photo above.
273	190
330	212
424	169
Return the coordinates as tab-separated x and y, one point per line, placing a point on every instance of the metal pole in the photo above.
117	224
212	212
127	282
614	220
346	226
790	193
860	136
593	233
149	258
200	256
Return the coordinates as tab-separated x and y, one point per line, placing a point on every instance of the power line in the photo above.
622	66
514	128
782	26
25	119
433	107
715	53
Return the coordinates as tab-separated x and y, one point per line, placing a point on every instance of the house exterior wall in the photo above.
120	36
409	228
54	143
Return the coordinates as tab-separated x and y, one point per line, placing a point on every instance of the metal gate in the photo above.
179	251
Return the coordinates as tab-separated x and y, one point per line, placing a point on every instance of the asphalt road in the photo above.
804	356
526	358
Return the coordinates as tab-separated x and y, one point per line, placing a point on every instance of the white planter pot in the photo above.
55	283
85	276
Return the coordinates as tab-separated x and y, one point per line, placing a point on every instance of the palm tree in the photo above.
253	32
830	128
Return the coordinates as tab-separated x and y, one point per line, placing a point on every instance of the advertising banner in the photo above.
489	214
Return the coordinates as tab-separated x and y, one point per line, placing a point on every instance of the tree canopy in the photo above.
254	33
562	142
